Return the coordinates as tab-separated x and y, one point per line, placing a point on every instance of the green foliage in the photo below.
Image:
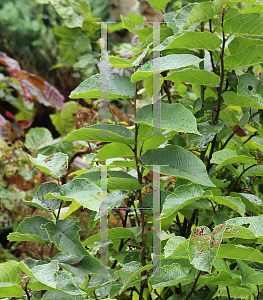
196	165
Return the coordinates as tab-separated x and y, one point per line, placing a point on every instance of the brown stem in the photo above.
228	294
194	286
238	178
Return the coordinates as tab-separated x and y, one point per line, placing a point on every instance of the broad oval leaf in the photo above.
176	161
158	4
37	137
175	244
227	157
231	98
118	87
246	24
192	40
102	132
173	116
39	199
64	234
114	233
114	150
204	11
30	230
81	191
240	43
53	164
181	197
115	180
239	252
168	62
250	56
201	77
204	245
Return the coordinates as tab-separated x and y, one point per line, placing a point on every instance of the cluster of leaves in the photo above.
199	156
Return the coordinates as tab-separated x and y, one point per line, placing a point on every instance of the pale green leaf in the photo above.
168	62
53	164
37	137
204	11
174	245
204	245
192	40
246	24
176	161
39	199
227	157
10	289
158	4
118	87
30	230
9	272
80	190
201	77
64	234
173	116
239	252
240	43
231	98
102	132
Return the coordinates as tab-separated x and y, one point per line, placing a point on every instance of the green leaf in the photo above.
45	273
204	11
114	200
240	43
102	132
54	164
81	265
246	24
248	57
115	180
9	289
175	245
208	131
223	278
81	191
155	141
173	274
193	40
118	62
118	87
114	233
72	42
227	157
231	98
158	4
53	295
204	245
64	120
249	276
168	62
142	33
173	116
65	236
239	252
41	202
201	77
113	150
176	19
234	203
251	86
36	137
178	162
30	230
181	197
9	272
255	225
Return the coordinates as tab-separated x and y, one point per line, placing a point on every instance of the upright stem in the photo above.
220	89
139	174
194	286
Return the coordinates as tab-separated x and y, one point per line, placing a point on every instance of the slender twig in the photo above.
194	286
112	113
250	137
190	223
26	291
258	292
230	137
228	294
238	178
